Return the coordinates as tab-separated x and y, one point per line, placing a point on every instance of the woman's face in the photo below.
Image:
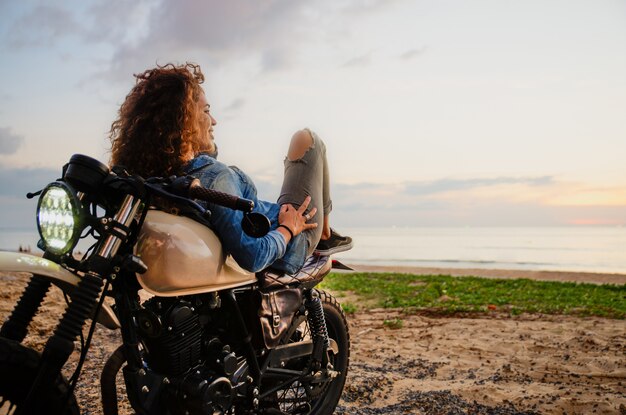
204	108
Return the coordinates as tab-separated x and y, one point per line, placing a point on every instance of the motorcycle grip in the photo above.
197	191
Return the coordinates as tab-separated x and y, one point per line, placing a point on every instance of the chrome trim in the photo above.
125	216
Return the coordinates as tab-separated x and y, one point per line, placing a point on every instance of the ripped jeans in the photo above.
306	176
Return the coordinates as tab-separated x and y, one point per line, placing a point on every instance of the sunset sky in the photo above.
435	113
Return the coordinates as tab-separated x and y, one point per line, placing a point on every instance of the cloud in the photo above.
17	214
9	142
276	59
106	21
498	201
363	60
581	195
218	30
428	188
235	105
17	182
471	202
353	7
412	53
42	26
446	185
272	33
111	25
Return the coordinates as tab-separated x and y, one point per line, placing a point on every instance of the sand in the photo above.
479	364
534	363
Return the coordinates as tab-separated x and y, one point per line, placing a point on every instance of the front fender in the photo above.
59	276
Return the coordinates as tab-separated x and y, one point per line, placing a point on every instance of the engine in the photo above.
180	345
172	336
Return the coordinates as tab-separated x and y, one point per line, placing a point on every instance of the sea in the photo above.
582	248
585	249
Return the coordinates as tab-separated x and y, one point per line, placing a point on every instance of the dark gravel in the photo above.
435	403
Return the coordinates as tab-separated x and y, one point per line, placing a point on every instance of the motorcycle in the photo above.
204	336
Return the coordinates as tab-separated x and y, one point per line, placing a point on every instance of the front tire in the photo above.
18	369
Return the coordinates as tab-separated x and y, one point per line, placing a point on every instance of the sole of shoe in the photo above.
334	250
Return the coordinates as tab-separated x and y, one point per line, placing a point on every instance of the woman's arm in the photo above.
253	254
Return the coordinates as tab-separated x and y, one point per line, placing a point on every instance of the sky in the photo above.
434	112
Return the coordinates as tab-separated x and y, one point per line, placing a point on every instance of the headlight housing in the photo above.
59	219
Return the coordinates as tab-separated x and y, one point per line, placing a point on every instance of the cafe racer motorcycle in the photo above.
204	336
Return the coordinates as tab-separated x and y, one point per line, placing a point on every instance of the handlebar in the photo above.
191	188
197	191
186	187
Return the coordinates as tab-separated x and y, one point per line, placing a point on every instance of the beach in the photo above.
480	363
486	364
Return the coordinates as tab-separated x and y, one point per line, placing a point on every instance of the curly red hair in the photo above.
159	125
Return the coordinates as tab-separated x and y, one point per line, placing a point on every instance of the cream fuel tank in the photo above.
184	257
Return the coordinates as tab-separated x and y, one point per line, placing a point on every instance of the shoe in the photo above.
336	243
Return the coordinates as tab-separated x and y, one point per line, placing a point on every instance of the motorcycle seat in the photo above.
312	272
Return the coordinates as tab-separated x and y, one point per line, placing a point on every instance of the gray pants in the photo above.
308	176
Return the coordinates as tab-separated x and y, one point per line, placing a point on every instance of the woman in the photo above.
165	127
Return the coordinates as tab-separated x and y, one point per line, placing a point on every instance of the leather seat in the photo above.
312	272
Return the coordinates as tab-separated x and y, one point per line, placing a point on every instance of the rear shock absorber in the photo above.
317	324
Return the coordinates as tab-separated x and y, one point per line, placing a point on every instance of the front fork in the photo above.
61	345
85	296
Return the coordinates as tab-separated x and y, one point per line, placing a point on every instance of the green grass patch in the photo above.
349	308
394	323
472	294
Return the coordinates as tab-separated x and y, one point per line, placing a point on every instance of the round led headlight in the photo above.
58	218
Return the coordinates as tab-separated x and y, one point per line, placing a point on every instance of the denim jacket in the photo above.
253	254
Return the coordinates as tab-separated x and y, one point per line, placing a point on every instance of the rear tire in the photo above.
18	369
326	402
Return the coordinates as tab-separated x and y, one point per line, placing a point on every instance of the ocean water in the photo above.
592	249
12	239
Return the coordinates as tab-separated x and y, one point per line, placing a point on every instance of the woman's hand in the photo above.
295	219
